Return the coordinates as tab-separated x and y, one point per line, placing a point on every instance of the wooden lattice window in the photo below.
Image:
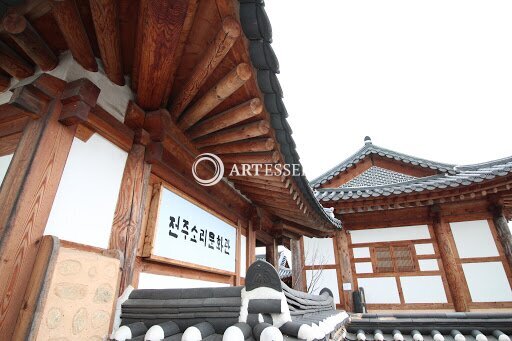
394	258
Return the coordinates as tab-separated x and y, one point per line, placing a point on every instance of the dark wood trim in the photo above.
30	186
409	306
158	268
127	224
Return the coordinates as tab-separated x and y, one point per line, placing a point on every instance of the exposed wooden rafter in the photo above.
70	23
22	32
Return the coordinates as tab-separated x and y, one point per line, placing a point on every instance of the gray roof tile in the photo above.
370	148
460	176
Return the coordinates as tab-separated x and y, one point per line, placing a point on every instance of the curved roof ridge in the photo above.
480	165
398	184
461	176
339	165
370	148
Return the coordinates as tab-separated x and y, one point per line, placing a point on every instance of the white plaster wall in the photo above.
423	289
86	199
243	256
428	264
474	239
318	251
389	234
487	282
361	252
380	290
5	161
328	279
424	249
364	268
152	281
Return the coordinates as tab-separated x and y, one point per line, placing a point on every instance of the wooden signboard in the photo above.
182	233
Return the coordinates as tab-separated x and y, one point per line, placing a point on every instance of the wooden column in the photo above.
297	249
251	244
345	269
503	231
454	276
272	253
238	254
30	185
126	228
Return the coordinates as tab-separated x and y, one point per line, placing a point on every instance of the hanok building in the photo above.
417	234
105	106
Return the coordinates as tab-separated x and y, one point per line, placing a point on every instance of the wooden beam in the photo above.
106	24
13	126
5	82
251	158
27	194
216	95
274	181
126	228
14	64
159	33
249	185
176	143
249	191
238	133
9	143
183	42
223	42
246	146
161	128
227	118
178	177
70	23
109	127
22	32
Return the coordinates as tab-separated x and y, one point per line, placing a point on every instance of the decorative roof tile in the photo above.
368	149
458	176
377	176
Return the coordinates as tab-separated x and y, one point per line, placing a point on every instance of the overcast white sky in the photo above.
428	78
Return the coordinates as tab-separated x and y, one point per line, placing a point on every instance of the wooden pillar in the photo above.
251	244
272	253
447	249
503	231
297	249
238	253
345	268
30	185
127	224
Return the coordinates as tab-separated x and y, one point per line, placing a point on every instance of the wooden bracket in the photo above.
77	99
156	124
154	152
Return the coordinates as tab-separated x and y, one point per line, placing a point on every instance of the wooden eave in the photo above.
161	47
489	190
